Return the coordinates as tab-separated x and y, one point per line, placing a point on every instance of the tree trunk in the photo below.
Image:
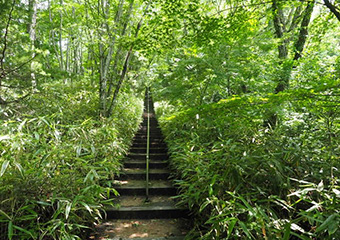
32	33
118	52
124	70
280	29
287	65
61	39
4	48
102	83
300	43
106	60
3	51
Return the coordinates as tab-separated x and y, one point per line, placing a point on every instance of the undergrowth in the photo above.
58	160
244	179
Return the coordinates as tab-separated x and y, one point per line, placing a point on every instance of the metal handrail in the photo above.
148	145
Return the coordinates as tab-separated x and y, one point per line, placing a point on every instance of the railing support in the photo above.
147	144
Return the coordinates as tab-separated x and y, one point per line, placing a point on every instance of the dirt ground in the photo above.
152	228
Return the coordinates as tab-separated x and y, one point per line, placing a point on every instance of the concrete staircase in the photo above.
131	186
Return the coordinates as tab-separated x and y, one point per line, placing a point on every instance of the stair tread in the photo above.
152	206
141	229
142	164
143	171
129	160
151	148
141	184
144	154
147	238
128	201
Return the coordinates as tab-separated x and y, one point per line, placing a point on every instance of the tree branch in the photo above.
4	102
21	65
126	65
13	87
5	42
332	8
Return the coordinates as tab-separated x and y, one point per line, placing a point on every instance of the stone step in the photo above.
153	156
144	139
137	187
151	150
152	117
132	201
140	174
152	135
153	125
153	121
149	210
143	229
147	238
152	128
142	164
142	144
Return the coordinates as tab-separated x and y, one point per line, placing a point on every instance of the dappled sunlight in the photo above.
139	235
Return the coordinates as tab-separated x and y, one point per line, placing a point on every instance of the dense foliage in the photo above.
251	117
58	161
247	94
245	180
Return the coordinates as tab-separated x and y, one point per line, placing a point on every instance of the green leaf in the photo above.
44	203
231	226
81	226
325	224
5	214
4	167
287	232
300	236
87	207
19	167
333	227
245	229
23	230
115	192
68	209
337	192
296	227
204	205
10	230
320	186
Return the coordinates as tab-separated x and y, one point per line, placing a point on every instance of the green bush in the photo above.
58	161
243	179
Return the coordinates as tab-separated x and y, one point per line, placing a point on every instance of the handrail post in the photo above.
148	145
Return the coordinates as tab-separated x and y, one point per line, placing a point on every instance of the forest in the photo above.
246	92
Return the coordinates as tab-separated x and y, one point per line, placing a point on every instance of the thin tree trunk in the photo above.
3	51
102	83
118	52
124	70
332	8
300	43
105	61
285	72
280	26
32	32
61	38
67	57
